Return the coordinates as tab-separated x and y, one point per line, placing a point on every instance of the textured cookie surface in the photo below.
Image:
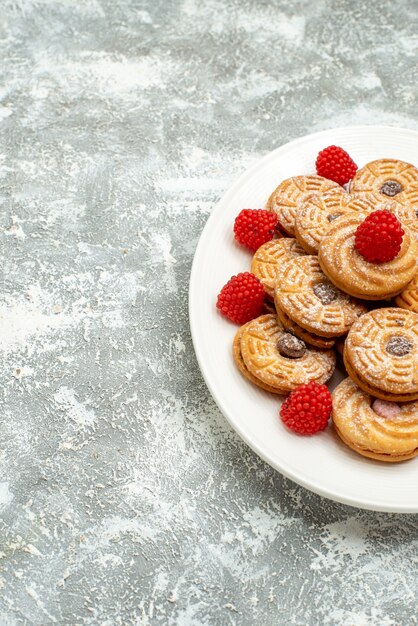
388	439
236	353
320	211
305	294
268	258
349	271
260	342
408	298
388	179
313	340
381	353
288	197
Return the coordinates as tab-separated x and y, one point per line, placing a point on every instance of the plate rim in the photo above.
312	486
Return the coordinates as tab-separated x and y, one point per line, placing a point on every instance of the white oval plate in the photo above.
320	463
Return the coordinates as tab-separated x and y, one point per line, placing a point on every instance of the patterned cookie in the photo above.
392	437
325	343
287	198
269	256
381	354
388	179
305	294
408	215
281	360
349	271
408	299
236	353
319	212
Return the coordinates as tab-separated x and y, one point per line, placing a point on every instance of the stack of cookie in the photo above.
276	360
323	294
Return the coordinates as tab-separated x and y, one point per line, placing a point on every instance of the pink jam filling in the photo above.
386	409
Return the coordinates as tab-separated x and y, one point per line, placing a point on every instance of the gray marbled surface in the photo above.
125	498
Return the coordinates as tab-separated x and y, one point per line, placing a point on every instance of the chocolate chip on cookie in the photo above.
391	188
331	217
291	347
399	346
325	292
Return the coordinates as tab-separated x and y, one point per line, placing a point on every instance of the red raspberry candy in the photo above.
379	237
242	298
253	227
336	164
307	409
